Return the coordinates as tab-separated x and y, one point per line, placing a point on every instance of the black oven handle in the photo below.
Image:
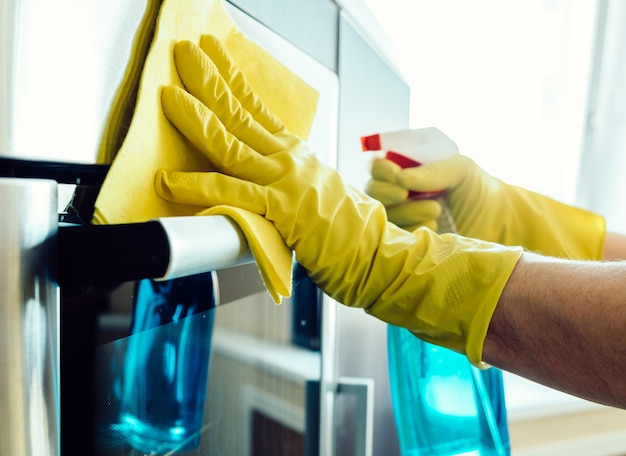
62	172
161	249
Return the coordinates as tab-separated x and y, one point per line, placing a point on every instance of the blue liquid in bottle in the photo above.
167	364
442	404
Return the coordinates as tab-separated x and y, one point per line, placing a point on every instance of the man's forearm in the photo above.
562	323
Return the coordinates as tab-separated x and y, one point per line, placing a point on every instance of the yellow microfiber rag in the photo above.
152	143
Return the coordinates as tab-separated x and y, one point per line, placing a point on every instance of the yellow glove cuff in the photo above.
443	288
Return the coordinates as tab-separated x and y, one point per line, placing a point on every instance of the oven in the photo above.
103	349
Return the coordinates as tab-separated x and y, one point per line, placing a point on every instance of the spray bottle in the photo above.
410	148
442	404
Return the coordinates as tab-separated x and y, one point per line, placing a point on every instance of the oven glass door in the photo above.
208	364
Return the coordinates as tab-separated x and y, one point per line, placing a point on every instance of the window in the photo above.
506	80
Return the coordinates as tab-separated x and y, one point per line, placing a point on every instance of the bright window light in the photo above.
506	80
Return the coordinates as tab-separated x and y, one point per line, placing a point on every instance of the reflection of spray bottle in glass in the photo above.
167	363
443	405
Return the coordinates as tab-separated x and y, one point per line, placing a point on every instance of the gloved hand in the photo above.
486	208
409	214
443	288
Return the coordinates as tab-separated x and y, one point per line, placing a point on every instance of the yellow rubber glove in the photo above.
443	288
409	214
486	208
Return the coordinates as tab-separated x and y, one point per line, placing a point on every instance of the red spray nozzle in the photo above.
371	142
401	160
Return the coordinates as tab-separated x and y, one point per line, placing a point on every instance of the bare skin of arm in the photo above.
562	323
614	246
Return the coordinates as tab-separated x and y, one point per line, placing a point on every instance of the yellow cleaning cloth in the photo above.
152	143
123	106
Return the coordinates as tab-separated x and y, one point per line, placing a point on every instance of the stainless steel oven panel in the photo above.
63	63
29	319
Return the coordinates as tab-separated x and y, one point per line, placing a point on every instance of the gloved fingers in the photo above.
384	170
236	80
386	192
203	80
440	175
414	212
205	131
209	189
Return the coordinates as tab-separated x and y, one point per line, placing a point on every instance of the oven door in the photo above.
208	364
205	364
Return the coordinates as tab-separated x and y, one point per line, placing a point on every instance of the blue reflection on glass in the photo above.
167	363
